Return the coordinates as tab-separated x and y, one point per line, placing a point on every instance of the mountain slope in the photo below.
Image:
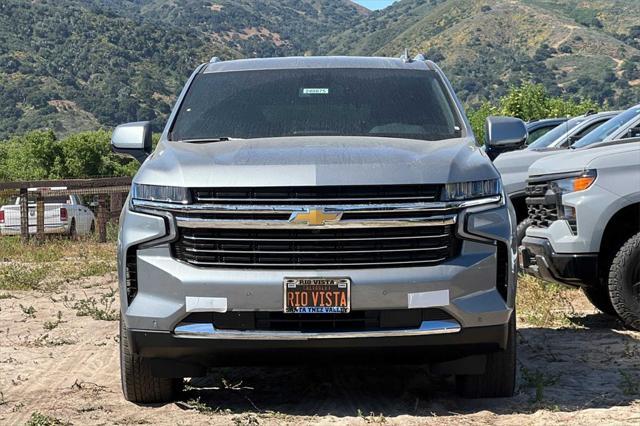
486	46
74	64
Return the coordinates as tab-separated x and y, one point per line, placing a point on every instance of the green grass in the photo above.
543	304
21	277
46	266
101	309
39	419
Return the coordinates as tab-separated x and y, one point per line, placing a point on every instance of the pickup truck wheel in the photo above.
521	230
624	282
138	384
499	378
73	232
599	297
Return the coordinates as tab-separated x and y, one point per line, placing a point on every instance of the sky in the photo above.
375	4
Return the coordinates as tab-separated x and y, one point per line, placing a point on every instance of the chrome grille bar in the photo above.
190	222
195	250
413	237
318	265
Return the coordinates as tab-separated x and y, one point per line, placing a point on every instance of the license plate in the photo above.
317	295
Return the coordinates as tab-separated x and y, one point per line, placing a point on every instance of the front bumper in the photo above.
169	349
479	309
537	258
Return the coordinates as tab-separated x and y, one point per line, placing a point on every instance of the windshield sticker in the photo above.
307	91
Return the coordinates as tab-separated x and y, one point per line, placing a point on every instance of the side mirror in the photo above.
505	132
132	139
573	139
633	132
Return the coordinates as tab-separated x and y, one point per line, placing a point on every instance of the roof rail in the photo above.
215	60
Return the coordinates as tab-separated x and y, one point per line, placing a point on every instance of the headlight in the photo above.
471	190
574	184
164	194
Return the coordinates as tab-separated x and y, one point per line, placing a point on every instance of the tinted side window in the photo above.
538	133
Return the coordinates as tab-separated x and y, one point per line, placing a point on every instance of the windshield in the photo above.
304	102
608	128
556	133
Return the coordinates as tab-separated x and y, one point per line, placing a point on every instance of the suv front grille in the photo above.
316	248
542	205
318	195
371	320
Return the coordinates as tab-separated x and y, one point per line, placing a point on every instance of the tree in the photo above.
527	102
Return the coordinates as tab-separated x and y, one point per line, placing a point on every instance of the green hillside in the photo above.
72	65
575	48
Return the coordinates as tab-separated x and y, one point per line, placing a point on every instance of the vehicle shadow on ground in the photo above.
568	370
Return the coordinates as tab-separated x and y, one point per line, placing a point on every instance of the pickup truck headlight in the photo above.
163	194
462	191
575	183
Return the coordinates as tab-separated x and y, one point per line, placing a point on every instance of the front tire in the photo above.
521	230
599	297
624	282
138	384
499	378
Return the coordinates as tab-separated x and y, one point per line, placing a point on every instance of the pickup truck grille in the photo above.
542	205
320	195
304	248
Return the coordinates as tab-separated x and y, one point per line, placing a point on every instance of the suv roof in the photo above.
317	62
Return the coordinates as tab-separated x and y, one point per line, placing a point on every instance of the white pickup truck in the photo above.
63	215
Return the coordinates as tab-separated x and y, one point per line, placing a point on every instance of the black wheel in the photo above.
521	230
73	232
624	282
599	297
499	378
138	384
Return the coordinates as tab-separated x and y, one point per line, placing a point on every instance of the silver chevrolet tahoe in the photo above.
316	210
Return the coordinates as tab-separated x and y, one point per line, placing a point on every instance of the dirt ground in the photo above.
55	364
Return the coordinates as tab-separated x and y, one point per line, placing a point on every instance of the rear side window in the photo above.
609	128
314	102
556	133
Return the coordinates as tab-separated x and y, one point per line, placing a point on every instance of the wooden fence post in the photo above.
115	204
40	217
24	215
102	218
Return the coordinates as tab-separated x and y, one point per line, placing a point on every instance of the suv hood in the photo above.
318	160
514	165
579	159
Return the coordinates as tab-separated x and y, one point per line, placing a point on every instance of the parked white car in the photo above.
63	215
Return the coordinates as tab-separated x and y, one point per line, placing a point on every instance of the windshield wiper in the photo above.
210	140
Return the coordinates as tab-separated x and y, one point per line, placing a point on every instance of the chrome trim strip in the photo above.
313	265
208	331
351	208
190	222
195	250
309	240
309	200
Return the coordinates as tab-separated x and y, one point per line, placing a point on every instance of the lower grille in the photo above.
131	274
370	320
316	248
542	205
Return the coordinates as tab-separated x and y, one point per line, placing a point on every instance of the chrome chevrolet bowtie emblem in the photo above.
315	217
